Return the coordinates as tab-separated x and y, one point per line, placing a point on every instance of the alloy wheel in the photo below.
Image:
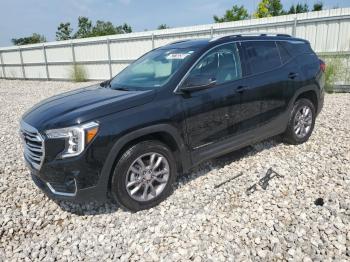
147	176
303	121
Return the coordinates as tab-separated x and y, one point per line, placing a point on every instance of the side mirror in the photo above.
194	83
105	83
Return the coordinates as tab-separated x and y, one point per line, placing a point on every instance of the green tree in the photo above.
318	6
103	28
299	8
33	39
84	27
64	32
234	14
276	8
124	29
263	9
268	8
162	26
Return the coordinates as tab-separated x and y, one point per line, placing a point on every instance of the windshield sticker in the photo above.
177	56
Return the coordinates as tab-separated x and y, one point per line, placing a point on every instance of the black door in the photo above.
263	99
208	111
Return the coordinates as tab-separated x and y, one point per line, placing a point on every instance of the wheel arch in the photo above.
164	133
310	92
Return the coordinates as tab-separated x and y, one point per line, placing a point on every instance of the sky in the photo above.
20	18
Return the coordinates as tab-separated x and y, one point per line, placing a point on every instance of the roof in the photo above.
188	43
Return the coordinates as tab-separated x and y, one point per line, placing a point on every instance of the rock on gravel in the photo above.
197	222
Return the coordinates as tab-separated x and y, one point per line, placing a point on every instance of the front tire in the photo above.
144	176
301	122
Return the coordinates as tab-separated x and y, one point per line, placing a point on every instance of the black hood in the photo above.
82	105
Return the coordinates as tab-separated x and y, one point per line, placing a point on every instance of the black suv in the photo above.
174	107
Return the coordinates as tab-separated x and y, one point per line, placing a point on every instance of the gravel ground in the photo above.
199	221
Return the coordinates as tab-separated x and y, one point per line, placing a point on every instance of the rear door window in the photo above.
261	56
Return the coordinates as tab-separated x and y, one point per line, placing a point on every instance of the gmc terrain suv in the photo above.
176	106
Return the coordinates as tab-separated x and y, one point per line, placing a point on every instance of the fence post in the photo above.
347	76
294	32
338	40
22	65
211	32
152	40
46	65
109	57
2	65
73	52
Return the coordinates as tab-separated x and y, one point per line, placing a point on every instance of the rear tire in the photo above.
301	122
144	176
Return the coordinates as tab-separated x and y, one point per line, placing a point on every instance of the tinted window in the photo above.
222	64
152	70
261	56
300	47
285	51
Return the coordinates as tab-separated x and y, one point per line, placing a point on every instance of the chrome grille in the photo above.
33	142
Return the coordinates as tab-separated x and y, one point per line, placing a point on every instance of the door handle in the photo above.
292	75
241	89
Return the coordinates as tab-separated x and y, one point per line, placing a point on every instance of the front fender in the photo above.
109	164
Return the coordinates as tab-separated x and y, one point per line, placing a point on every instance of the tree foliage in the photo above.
318	6
101	28
124	29
64	32
33	39
236	13
263	9
84	27
299	8
276	8
268	8
163	26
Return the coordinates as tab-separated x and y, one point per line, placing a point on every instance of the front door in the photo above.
209	111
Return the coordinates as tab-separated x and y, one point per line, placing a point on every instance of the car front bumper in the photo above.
74	181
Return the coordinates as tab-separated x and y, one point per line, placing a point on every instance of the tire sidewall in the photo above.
298	105
118	184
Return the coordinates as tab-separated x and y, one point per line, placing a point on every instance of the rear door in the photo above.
263	99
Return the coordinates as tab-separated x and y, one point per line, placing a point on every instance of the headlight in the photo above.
77	137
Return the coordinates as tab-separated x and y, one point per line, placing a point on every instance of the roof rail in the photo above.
248	34
180	41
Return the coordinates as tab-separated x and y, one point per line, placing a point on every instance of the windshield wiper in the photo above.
121	89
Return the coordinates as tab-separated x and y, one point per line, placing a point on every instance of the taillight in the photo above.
322	66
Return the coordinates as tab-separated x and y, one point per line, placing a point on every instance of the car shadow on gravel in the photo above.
88	209
108	207
220	162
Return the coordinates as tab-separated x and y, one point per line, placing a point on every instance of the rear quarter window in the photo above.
261	56
295	48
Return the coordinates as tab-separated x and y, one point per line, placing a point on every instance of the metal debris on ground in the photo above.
250	190
263	182
228	180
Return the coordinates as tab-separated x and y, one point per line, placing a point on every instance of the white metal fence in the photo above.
102	57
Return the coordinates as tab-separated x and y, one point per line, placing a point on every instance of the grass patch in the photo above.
331	69
334	72
78	73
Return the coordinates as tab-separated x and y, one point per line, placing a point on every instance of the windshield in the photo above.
152	70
